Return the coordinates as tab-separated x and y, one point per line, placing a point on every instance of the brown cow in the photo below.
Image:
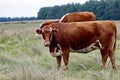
81	37
73	17
78	17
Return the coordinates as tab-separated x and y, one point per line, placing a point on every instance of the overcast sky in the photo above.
29	8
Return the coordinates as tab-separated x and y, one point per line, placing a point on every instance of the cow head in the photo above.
47	33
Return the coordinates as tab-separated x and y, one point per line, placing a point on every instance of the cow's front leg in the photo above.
58	58
66	57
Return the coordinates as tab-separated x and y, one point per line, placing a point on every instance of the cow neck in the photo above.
53	41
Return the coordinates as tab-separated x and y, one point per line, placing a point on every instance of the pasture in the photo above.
23	57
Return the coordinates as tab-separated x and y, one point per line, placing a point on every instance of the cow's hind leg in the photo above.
112	56
112	59
112	47
104	54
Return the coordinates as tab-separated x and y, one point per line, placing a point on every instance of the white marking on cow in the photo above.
99	44
57	52
50	30
89	48
42	30
41	24
63	17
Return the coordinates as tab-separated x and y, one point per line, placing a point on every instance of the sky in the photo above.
29	8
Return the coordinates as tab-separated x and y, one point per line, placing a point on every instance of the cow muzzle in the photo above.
46	43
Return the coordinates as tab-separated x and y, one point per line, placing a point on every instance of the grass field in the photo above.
23	57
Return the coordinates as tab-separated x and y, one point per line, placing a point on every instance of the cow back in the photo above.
78	17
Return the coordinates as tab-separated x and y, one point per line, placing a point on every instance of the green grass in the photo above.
23	57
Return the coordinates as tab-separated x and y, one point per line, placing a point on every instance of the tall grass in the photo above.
23	57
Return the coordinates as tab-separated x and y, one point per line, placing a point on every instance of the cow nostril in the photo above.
46	44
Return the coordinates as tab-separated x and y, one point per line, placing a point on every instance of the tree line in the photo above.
5	19
104	9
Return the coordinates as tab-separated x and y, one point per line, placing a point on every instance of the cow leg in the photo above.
112	58
112	48
104	54
66	58
58	58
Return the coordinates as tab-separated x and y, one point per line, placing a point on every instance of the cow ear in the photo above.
55	30
38	31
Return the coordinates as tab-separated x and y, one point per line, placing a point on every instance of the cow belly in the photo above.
91	47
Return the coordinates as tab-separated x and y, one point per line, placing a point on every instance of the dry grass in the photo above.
23	57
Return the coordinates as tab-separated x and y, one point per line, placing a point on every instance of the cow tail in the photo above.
114	44
115	34
114	47
115	40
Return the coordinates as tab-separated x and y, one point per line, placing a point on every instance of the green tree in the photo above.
104	9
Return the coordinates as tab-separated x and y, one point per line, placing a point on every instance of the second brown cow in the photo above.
78	17
73	17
